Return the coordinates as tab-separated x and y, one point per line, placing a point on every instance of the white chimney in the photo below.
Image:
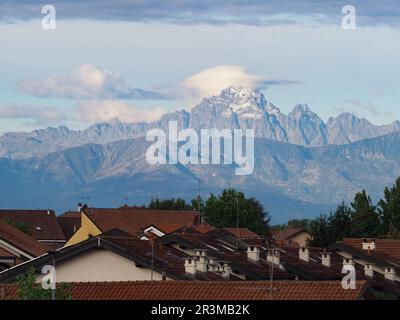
274	257
304	254
226	270
201	263
369	270
326	259
190	266
253	253
211	264
348	262
390	274
368	244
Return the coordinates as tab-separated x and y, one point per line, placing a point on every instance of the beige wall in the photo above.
302	238
101	265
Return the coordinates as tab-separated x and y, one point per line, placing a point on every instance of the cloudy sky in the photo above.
137	59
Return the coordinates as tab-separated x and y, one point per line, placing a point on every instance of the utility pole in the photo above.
151	237
237	221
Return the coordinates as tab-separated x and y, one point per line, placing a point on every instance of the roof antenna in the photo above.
199	203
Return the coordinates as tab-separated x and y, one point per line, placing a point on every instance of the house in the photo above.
161	229
377	260
297	237
17	246
214	290
95	221
242	233
116	256
250	259
69	222
41	224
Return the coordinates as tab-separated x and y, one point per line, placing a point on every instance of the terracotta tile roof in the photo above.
223	251
193	290
167	228
42	224
69	224
5	254
21	240
391	247
287	233
243	232
165	258
133	221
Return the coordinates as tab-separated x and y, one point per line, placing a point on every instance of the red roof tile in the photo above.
193	290
391	247
21	240
133	221
243	232
42	224
287	233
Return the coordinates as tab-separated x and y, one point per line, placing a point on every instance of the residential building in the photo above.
41	225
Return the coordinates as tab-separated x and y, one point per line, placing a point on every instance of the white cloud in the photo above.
107	110
213	80
36	115
85	82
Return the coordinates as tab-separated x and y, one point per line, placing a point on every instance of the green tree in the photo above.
340	223
169	204
22	226
365	218
389	210
329	229
28	289
320	231
222	211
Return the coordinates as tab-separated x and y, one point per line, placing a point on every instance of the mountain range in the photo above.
303	166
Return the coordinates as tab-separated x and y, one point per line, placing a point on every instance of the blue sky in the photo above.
139	59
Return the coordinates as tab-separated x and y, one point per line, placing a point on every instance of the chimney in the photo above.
226	270
253	253
201	263
368	244
326	259
211	264
304	254
274	256
390	273
369	270
190	266
348	262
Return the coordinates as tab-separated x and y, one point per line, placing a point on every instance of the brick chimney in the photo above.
273	256
190	266
390	273
326	259
201	263
304	254
368	244
369	270
253	253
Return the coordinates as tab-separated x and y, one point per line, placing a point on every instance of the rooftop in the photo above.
214	290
